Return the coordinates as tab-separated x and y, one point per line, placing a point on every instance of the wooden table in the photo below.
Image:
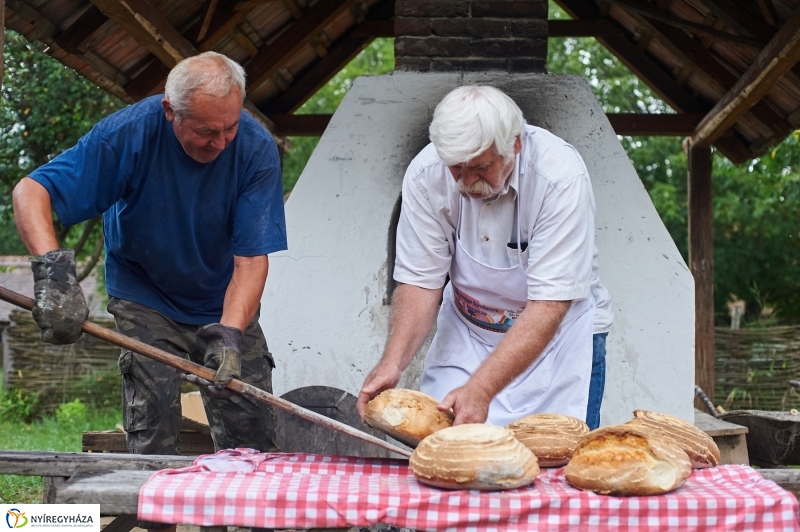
730	438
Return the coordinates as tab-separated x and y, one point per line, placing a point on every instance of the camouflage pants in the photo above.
151	403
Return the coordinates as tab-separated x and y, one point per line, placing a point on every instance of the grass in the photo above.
53	433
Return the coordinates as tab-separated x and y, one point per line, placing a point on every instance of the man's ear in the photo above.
168	112
517	145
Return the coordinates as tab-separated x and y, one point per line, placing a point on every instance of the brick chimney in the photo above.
471	35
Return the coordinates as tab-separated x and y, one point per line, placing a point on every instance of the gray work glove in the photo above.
60	308
223	353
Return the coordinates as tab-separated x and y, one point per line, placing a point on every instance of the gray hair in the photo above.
472	119
209	72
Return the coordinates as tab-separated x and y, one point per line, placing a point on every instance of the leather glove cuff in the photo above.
56	265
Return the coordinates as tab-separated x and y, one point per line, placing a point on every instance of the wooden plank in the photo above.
300	125
149	79
211	6
117	492
654	124
715	426
52	464
782	52
300	33
192	443
148	27
740	19
732	449
701	264
601	27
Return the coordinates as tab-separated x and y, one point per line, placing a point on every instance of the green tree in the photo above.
46	108
757	253
375	59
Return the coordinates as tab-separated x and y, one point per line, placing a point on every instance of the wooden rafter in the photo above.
653	75
341	53
76	34
646	9
108	77
781	54
583	28
740	20
208	14
704	64
142	21
628	124
148	27
300	33
669	125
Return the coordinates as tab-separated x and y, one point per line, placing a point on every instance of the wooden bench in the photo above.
730	438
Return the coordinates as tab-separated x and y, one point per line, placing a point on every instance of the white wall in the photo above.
323	310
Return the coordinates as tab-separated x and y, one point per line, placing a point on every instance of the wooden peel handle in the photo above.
187	366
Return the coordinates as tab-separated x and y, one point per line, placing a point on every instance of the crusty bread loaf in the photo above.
551	437
699	446
473	456
407	415
627	460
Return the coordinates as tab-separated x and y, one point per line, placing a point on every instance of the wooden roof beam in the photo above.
651	12
655	77
147	26
739	19
79	31
601	27
297	35
654	125
342	52
781	54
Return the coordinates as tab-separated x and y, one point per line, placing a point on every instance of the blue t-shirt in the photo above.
172	225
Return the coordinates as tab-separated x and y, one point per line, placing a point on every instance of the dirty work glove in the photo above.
60	308
222	352
219	393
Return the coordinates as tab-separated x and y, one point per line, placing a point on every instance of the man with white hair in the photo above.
190	190
507	211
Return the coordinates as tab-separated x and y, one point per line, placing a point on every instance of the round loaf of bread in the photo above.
406	415
475	457
701	449
551	437
627	460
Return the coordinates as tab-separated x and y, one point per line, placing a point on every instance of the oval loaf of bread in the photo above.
474	456
551	437
627	460
701	449
406	415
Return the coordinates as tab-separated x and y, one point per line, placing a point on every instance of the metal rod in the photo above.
205	373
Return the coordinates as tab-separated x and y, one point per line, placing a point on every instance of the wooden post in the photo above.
701	263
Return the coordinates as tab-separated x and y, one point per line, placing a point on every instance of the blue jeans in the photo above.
598	382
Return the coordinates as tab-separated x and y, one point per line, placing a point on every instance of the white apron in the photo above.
480	303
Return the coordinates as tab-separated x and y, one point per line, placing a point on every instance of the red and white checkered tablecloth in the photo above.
278	490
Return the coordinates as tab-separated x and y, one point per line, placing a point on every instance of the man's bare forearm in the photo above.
522	345
33	216
244	291
413	314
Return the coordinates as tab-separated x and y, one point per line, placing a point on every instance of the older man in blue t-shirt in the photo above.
190	190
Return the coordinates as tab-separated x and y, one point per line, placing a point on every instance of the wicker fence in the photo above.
86	369
754	366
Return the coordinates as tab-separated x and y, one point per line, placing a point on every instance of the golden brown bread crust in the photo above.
627	460
701	448
406	415
474	456
551	437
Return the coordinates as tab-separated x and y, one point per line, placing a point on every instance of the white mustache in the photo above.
481	187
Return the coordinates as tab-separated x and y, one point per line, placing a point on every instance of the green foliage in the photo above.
10	243
46	107
74	412
375	59
757	253
49	434
18	405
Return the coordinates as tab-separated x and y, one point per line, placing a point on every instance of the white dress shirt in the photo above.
557	222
